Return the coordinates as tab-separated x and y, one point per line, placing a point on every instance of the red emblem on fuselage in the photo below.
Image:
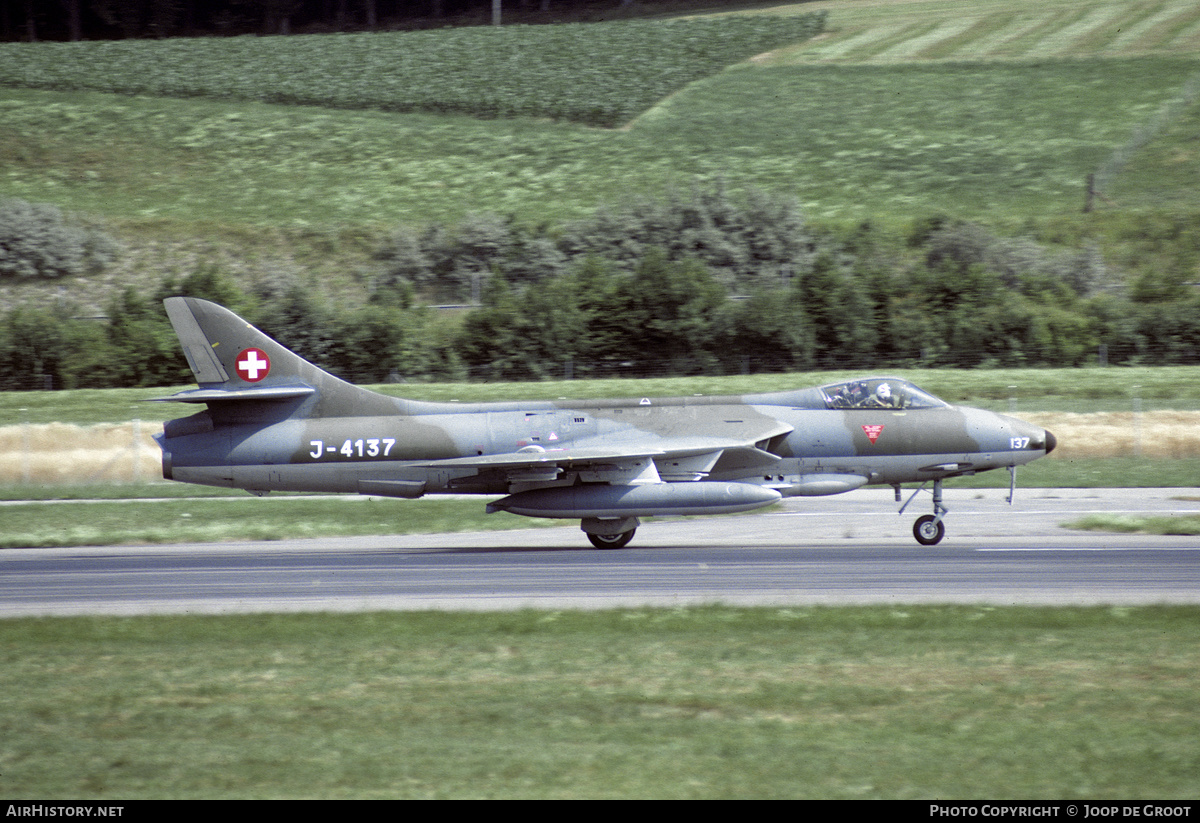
253	365
872	433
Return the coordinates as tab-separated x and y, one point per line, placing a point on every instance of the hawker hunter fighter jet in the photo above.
274	421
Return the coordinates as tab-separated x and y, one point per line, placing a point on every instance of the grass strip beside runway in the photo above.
217	519
882	702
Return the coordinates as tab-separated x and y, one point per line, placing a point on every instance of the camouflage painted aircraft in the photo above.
274	421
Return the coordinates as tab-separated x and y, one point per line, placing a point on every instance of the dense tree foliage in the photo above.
696	283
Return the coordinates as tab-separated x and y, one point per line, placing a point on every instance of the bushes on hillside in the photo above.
788	297
36	241
695	283
745	243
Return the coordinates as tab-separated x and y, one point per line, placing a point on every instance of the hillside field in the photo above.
897	110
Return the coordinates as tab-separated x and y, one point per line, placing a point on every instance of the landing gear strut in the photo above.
929	529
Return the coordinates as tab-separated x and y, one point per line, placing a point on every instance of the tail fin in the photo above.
233	361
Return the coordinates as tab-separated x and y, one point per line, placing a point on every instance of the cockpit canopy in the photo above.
879	393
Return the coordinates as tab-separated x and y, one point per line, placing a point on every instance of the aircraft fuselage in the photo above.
884	446
275	422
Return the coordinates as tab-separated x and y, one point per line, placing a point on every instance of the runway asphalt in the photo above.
850	549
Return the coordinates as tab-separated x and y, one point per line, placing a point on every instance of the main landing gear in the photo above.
929	529
612	541
610	532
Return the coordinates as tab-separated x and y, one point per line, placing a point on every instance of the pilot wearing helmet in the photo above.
884	397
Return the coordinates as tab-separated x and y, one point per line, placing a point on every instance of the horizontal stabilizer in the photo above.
223	395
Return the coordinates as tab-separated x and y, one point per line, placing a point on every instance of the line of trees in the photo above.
33	20
696	283
845	307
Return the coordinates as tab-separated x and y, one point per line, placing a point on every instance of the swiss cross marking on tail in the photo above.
253	365
872	432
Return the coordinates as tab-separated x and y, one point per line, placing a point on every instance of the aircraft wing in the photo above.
542	457
631	460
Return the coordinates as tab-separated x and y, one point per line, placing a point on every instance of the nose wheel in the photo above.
930	528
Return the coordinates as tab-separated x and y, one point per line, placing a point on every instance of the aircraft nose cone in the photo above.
1051	441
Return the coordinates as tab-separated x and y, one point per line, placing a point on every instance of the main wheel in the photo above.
611	541
929	530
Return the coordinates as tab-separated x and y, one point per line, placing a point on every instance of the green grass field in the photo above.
601	74
888	702
997	30
214	518
850	133
854	142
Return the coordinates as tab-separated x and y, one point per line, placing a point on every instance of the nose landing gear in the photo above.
929	529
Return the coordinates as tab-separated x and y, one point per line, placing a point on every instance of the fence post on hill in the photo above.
1089	200
1137	421
25	447
136	447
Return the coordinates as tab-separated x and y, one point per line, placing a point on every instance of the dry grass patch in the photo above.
1164	434
54	453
